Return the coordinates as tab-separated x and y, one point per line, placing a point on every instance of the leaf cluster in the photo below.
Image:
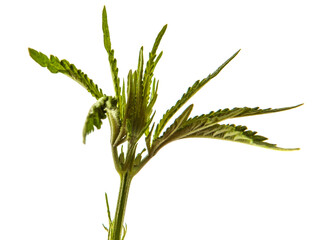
130	112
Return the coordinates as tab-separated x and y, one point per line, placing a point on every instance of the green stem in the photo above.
121	205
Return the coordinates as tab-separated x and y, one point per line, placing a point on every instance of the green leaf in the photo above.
152	61
112	61
186	96
150	86
231	133
108	212
140	66
206	126
63	66
39	57
157	41
137	111
110	221
96	113
141	108
223	114
105	29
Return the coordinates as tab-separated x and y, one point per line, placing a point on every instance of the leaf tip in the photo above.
38	57
84	135
33	53
163	29
287	149
190	107
293	149
299	105
237	52
30	50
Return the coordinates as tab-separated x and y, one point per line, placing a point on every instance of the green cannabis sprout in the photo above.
130	114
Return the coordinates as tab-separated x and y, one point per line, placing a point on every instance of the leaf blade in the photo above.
96	114
206	126
150	85
224	114
230	132
112	60
55	66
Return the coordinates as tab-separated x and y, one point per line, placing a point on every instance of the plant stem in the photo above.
121	205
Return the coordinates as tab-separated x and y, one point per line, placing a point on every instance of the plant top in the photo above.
130	113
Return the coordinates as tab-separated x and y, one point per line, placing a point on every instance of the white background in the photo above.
52	186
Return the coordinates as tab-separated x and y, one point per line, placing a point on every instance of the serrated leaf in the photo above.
149	86
94	117
206	125
140	66
223	114
232	133
112	61
158	39
55	66
105	29
186	96
39	57
96	113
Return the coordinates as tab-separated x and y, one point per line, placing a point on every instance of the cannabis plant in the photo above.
130	114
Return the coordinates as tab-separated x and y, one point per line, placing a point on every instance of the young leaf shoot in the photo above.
130	113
